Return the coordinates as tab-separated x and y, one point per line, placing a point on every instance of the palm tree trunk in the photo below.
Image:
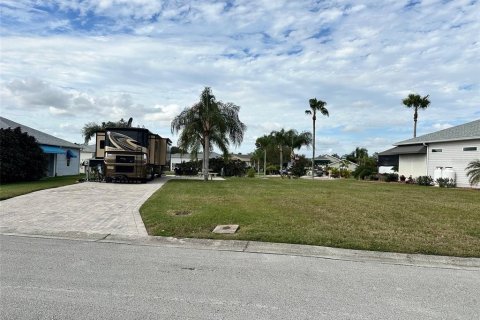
281	157
265	162
313	153
415	116
206	155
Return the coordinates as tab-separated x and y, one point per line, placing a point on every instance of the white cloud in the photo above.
104	60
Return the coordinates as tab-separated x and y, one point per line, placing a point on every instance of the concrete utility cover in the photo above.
226	228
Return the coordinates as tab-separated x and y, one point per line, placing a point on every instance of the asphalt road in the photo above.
44	278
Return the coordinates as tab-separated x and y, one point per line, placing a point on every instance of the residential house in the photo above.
334	162
247	158
63	156
86	152
431	154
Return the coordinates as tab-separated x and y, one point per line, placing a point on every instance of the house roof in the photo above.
467	131
41	137
242	157
410	149
91	148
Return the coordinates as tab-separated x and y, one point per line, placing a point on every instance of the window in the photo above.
102	144
470	149
436	150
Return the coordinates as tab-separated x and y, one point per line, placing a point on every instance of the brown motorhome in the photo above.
131	153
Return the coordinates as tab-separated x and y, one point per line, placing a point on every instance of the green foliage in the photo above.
298	168
207	123
345	173
424	181
89	129
335	173
174	150
390	177
473	172
416	102
272	169
21	158
365	172
251	173
231	168
446	183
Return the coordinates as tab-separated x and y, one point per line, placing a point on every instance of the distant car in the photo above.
318	172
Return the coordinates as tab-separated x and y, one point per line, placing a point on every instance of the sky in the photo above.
65	63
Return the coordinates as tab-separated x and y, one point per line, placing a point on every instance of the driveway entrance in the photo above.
89	207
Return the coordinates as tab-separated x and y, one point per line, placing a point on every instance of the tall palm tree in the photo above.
473	172
416	102
297	140
263	143
208	122
281	140
316	105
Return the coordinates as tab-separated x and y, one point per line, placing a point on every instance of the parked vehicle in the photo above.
131	154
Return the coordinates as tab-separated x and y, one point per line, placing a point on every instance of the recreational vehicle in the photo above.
131	154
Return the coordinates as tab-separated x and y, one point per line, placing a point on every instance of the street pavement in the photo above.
45	278
82	252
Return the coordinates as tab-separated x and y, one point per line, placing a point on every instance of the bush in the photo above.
21	158
345	173
365	172
272	169
251	173
391	177
335	173
424	181
298	168
446	183
403	178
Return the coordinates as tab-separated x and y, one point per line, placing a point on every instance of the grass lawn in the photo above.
336	213
11	190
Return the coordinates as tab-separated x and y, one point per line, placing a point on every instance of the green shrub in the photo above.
391	177
298	168
345	173
446	183
424	181
251	173
365	172
22	159
272	169
335	173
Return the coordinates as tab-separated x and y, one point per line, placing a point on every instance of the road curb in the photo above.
418	260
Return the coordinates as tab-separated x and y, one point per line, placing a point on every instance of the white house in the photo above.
334	162
63	156
86	152
242	157
428	155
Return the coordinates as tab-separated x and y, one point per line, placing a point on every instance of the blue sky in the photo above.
65	63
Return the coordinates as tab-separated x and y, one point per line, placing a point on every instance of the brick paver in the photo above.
90	207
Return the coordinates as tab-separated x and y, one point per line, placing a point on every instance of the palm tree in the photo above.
297	140
89	129
473	172
208	122
314	107
416	102
281	140
263	143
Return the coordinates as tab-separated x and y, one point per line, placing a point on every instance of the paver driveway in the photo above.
90	207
